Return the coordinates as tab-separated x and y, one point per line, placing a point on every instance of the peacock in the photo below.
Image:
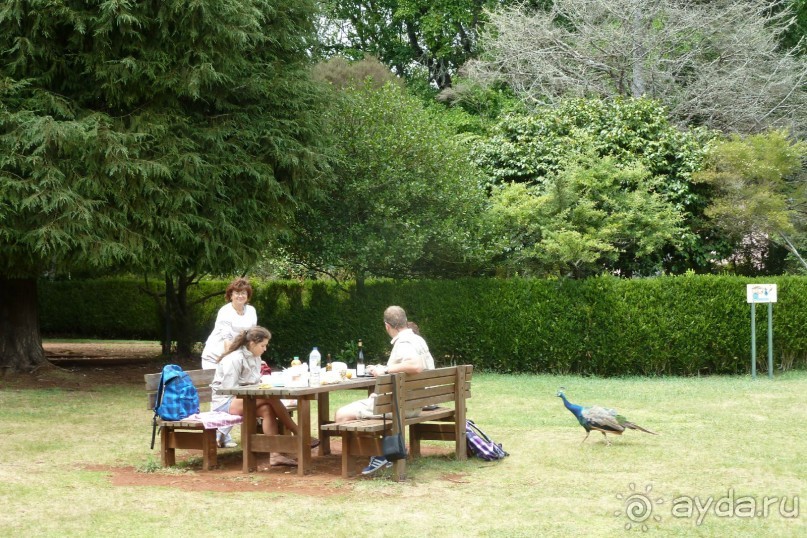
600	419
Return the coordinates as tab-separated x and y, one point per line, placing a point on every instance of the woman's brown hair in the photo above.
252	335
239	284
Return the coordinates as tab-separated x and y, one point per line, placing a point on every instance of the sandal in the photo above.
314	442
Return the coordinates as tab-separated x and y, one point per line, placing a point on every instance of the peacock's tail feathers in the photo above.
633	426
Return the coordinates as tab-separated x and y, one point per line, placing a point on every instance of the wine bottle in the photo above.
360	361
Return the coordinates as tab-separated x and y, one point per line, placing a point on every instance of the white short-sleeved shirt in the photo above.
408	345
229	324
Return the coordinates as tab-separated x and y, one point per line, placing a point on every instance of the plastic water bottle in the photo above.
314	360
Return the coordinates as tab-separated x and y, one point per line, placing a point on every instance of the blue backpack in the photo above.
177	398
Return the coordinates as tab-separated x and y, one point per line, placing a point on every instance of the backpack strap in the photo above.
157	401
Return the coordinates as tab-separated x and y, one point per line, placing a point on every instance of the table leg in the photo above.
323	417
249	427
304	439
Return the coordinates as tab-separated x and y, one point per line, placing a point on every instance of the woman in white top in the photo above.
233	318
236	316
241	365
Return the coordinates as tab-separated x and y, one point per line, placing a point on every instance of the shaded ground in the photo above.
82	366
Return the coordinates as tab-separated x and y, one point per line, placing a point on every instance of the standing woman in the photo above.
236	316
233	318
241	365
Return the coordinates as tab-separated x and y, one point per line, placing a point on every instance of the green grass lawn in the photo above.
726	447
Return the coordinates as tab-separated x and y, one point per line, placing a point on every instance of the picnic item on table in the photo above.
314	360
360	360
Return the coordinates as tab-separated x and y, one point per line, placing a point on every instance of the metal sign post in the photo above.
761	293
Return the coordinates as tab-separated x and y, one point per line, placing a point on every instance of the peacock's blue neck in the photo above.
575	409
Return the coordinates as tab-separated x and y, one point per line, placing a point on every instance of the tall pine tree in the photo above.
163	136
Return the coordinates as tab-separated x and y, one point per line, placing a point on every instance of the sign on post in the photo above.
761	293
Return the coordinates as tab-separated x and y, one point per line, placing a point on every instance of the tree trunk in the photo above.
20	339
637	84
183	322
178	316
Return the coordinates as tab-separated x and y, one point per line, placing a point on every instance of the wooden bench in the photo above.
452	385
186	434
190	434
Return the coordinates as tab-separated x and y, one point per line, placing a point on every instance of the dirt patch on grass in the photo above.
324	480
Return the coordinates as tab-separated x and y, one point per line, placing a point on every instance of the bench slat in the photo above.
199	378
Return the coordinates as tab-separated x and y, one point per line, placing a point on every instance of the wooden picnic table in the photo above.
253	443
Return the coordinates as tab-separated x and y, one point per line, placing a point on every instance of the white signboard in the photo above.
760	293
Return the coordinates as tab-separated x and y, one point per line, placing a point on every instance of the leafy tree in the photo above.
534	147
161	137
409	36
760	190
718	64
406	200
592	216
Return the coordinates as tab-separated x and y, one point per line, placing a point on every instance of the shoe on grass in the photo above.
226	442
376	463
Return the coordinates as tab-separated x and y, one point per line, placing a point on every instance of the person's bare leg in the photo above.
266	411
282	413
269	421
343	414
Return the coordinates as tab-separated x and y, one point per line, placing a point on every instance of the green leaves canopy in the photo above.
759	187
164	135
410	36
406	200
594	216
534	147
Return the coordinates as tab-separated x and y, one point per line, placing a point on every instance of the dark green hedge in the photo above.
684	325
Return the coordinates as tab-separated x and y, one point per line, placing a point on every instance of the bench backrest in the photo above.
201	380
429	387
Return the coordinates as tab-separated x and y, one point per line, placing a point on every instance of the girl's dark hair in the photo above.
255	334
239	284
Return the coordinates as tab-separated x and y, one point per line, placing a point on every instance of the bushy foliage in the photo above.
428	38
405	200
341	73
593	216
759	196
684	325
535	148
528	146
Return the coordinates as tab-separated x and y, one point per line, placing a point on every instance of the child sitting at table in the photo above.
241	365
